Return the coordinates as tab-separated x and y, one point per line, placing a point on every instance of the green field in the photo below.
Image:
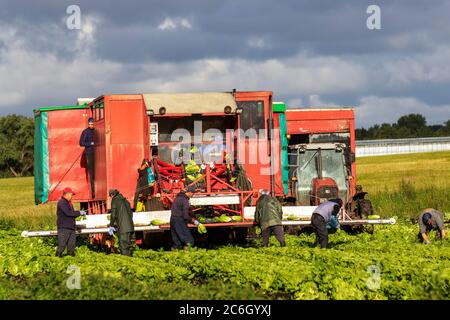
390	264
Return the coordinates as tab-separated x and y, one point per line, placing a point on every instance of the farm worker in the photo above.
431	219
322	216
66	223
144	182
87	141
268	215
121	220
180	216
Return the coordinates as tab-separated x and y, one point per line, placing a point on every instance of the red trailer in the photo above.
321	133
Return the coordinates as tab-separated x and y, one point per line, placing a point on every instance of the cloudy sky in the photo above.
309	53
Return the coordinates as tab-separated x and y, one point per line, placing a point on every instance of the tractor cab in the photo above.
318	172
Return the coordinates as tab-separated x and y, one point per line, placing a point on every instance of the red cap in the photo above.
68	190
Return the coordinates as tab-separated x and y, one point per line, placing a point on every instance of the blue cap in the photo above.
426	217
91	120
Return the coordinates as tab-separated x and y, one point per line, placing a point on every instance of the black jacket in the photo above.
121	214
142	183
181	207
87	136
66	215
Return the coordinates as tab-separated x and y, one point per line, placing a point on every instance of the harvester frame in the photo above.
126	134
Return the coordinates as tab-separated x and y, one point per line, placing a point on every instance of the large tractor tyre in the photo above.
240	235
358	229
157	240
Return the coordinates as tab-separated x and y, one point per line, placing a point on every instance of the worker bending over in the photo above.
323	215
431	219
180	216
121	220
268	215
66	223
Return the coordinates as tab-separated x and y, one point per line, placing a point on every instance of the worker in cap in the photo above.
87	141
121	220
431	219
325	215
268	215
180	217
65	222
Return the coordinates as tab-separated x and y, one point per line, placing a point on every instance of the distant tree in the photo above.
444	130
413	121
408	126
16	145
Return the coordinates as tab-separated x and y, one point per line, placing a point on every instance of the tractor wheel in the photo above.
358	229
240	235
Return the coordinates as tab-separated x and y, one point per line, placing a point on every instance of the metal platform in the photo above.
97	224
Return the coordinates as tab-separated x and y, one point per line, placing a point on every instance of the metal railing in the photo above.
399	146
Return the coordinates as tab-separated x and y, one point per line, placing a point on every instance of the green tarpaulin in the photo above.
280	108
41	165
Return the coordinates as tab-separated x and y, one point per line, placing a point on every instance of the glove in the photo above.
111	231
427	242
92	143
82	213
201	229
196	222
333	223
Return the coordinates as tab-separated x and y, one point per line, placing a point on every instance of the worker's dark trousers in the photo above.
277	231
320	228
145	191
66	239
125	243
90	161
180	232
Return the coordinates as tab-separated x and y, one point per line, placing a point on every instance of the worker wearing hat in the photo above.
431	219
322	216
121	220
87	141
268	215
180	217
66	223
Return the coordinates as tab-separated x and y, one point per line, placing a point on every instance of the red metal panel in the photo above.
100	161
277	157
254	154
317	126
319	120
126	139
66	157
319	114
322	121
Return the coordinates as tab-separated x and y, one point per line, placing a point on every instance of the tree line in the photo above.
16	146
412	125
17	138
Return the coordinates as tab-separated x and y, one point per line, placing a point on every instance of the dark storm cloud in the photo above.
226	29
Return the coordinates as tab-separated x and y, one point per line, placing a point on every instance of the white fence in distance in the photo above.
398	146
